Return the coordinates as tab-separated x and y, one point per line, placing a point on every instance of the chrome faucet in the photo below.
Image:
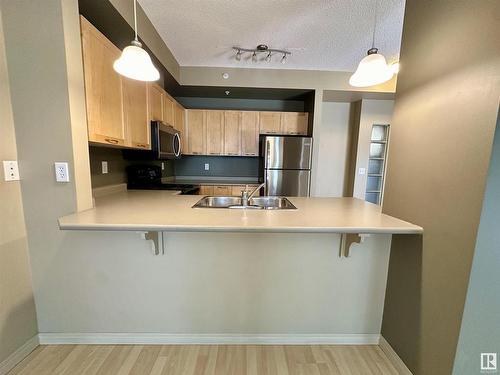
246	196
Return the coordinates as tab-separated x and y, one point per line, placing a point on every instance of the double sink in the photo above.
257	203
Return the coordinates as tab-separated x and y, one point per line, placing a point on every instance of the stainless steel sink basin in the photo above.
257	203
273	203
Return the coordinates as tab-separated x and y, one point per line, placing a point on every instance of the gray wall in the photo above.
480	331
117	165
242	104
441	136
17	307
220	166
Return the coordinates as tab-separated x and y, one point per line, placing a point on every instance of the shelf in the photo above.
374	175
373	191
378	141
373	158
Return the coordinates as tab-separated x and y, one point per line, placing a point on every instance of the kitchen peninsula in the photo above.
230	276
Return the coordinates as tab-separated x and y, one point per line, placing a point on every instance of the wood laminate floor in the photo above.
205	360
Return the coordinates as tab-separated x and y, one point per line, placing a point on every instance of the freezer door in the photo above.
287	152
287	182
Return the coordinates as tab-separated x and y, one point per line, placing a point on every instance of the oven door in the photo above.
166	141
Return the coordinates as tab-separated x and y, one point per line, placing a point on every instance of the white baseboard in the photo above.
393	357
16	357
181	339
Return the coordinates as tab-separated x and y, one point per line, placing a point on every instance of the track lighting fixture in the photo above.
261	48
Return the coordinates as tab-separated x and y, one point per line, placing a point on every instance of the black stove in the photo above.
148	177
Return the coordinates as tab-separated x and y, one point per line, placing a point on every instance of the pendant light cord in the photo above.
135	19
375	23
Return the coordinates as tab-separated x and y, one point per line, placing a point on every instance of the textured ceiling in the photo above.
321	34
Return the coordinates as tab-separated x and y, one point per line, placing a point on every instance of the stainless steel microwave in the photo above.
165	141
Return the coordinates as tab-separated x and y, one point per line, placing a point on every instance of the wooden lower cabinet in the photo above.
225	190
206	190
222	190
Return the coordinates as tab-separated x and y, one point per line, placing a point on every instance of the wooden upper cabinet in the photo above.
249	133
232	133
103	88
168	110
196	132
270	122
180	125
215	132
135	113
294	123
155	101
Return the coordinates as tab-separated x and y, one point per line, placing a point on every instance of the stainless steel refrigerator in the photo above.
286	165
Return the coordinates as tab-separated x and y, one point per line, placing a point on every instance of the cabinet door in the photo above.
250	133
135	113
196	132
237	189
168	110
222	190
155	101
270	122
180	125
103	88
215	132
232	133
206	190
294	123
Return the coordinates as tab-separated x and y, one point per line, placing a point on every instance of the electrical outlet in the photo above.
361	171
62	171
10	170
104	167
207	166
162	166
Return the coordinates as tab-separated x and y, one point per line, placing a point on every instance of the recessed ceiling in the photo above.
321	34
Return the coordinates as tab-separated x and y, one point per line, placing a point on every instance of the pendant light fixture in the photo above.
372	69
135	62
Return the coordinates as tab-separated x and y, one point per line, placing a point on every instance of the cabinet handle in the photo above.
214	153
250	154
113	141
232	154
196	153
141	145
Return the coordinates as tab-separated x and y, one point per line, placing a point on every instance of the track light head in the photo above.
283	59
254	57
238	55
268	57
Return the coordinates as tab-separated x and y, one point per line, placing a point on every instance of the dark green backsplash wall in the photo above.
220	166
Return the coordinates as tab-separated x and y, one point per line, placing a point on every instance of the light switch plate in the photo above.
207	166
162	166
62	171
10	170
104	167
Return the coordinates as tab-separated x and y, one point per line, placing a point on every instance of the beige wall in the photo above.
17	308
442	130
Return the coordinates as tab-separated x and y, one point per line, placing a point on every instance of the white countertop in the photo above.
161	211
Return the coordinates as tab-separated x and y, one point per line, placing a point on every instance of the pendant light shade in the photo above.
372	70
135	62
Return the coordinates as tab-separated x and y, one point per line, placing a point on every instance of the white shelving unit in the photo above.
376	163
